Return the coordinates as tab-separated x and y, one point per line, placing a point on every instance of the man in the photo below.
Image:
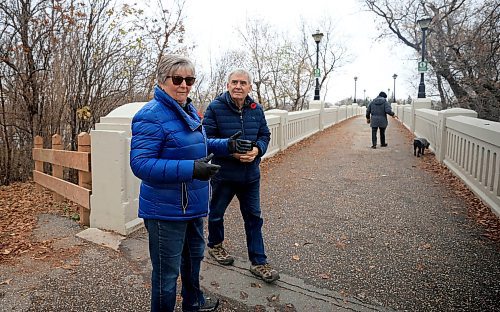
376	116
232	112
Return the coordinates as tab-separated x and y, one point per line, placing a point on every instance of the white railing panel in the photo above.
473	154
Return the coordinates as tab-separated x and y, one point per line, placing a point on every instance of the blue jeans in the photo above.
248	195
174	245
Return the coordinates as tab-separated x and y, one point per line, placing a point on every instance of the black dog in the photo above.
421	144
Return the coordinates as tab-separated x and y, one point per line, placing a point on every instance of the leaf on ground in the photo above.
243	295
324	276
295	257
273	298
6	282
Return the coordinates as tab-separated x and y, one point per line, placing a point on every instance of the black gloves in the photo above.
203	170
239	146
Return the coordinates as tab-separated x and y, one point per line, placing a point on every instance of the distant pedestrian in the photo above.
239	175
169	154
376	116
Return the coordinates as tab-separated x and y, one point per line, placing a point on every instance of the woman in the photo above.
169	154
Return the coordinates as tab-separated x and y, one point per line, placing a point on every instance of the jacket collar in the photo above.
165	99
226	98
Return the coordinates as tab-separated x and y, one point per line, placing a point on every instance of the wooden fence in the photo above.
59	158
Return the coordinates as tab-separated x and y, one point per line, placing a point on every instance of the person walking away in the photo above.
169	154
376	116
239	175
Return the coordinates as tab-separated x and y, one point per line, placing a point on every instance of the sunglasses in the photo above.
177	80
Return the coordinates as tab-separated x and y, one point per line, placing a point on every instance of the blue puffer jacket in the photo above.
223	119
165	142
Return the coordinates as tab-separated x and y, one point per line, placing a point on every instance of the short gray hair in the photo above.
170	63
240	71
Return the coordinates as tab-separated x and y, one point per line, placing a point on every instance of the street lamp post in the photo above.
394	88
364	95
424	25
355	79
317	38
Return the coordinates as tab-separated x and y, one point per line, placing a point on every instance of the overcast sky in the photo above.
212	24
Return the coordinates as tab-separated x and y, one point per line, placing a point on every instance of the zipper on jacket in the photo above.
241	121
184	197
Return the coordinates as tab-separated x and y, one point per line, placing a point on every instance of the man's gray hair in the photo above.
170	63
240	71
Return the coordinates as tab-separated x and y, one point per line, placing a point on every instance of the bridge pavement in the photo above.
348	227
351	228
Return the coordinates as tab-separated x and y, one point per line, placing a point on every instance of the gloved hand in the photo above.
368	120
237	145
203	170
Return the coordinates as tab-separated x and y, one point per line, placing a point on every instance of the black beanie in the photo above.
382	94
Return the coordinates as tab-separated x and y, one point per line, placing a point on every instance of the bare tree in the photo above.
65	63
463	46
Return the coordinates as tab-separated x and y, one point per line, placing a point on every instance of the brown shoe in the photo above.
265	272
220	255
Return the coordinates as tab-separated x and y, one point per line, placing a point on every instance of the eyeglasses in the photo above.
177	80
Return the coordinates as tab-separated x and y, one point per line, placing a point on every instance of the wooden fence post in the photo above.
84	178
38	144
57	171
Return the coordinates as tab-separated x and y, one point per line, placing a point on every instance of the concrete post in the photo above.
355	109
321	106
441	138
416	104
115	189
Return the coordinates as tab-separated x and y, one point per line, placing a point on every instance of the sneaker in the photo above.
211	304
374	146
265	272
384	145
220	255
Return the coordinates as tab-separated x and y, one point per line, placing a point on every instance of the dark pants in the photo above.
248	195
374	135
174	245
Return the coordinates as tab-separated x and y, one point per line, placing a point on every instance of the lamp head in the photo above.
355	78
424	22
317	36
394	76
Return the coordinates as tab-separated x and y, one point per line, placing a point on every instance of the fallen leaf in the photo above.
324	276
6	282
215	284
295	257
273	298
243	295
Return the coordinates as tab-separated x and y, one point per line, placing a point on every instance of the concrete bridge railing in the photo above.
468	146
115	189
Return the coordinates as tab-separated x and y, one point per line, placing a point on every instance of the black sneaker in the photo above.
210	305
384	145
374	146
